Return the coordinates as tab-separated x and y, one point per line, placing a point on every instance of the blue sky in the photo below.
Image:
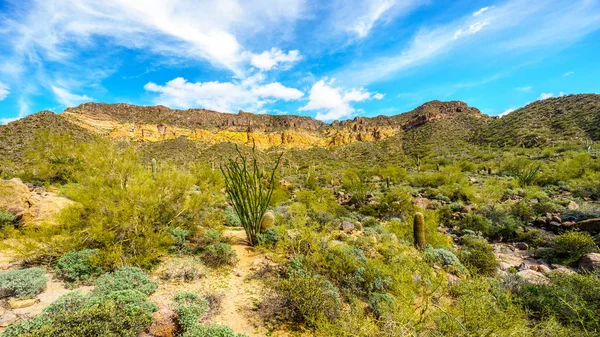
331	59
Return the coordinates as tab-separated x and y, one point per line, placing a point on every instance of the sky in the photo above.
331	60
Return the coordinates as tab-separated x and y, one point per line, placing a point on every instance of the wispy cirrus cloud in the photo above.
4	91
517	25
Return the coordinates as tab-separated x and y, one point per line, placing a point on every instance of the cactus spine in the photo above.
419	230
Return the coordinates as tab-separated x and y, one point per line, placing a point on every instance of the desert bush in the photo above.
185	269
572	299
478	256
231	218
77	266
310	297
125	278
571	246
181	239
216	330
6	218
444	258
117	308
22	283
190	306
537	238
214	250
523	169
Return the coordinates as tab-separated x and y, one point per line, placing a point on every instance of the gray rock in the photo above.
590	262
8	319
532	276
572	206
591	226
347	226
521	246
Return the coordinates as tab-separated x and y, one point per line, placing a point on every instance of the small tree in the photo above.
250	189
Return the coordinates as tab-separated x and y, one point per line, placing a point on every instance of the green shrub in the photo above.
310	297
219	254
572	299
571	246
104	319
6	218
22	283
125	278
77	266
213	249
231	218
186	269
189	308
476	223
216	330
444	258
478	256
180	235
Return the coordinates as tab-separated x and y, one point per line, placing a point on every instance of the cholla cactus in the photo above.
419	230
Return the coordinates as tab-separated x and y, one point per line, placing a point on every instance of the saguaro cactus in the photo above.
419	230
154	167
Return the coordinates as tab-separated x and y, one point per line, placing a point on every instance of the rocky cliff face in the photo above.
158	123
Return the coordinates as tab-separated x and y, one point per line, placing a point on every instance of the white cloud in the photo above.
221	96
7	120
546	95
471	30
4	91
378	96
376	8
561	94
517	26
524	89
482	10
332	102
67	98
269	59
569	73
506	112
179	28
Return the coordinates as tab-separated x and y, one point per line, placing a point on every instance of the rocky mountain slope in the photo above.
434	126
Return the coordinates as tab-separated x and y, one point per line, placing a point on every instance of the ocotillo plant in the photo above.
419	231
250	189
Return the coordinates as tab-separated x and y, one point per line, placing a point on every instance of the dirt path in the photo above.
241	294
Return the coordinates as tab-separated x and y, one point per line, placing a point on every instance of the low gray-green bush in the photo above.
125	278
22	283
77	266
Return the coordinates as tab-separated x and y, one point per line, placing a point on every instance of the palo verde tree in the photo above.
250	189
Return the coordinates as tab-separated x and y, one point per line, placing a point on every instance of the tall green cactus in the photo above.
154	168
419	230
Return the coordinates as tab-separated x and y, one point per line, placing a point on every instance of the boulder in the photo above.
521	246
8	319
16	303
164	323
590	262
572	206
347	226
591	226
33	208
13	196
532	276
